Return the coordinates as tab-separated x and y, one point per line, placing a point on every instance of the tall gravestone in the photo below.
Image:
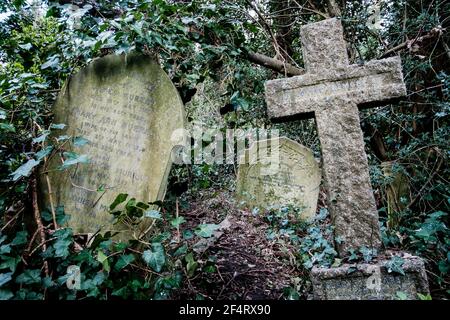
127	108
289	176
331	91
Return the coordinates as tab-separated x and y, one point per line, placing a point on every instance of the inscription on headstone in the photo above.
127	108
289	176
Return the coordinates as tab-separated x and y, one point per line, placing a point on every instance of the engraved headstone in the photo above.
289	175
127	108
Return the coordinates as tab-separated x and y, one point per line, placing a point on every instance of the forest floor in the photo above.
247	265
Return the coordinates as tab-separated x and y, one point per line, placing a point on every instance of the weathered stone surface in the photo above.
331	91
323	45
127	107
376	80
285	173
370	281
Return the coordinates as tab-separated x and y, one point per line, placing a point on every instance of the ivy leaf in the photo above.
119	199
155	257
63	137
21	238
177	222
80	141
58	126
24	170
103	259
29	277
424	297
181	250
43	153
395	265
5	249
51	62
74	159
353	255
123	261
401	295
121	292
5	278
7	127
188	234
47	282
5	294
154	214
99	278
191	264
206	230
368	253
41	138
62	244
25	46
10	262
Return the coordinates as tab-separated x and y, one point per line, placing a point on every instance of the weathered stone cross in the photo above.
331	91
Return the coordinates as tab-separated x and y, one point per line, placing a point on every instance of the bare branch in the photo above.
274	64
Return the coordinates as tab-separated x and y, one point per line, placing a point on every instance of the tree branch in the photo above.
274	64
37	218
409	43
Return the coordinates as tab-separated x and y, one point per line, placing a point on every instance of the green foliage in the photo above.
108	268
206	230
155	257
197	42
395	265
316	247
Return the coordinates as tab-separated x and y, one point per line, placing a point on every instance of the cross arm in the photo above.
376	80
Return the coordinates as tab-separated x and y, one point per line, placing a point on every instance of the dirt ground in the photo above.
247	264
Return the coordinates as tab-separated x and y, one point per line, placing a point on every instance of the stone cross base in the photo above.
365	281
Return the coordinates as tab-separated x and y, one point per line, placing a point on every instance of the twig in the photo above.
146	231
426	183
227	284
37	218
32	241
41	245
410	43
11	220
49	186
176	216
446	48
267	27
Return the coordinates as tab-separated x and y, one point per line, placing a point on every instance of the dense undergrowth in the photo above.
208	41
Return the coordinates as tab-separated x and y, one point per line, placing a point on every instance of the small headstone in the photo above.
127	108
289	175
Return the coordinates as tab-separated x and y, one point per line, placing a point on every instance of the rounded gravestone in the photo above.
127	108
279	172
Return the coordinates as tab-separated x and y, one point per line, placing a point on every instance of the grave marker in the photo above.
289	176
331	91
127	108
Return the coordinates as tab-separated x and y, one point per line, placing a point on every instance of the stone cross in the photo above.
331	91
